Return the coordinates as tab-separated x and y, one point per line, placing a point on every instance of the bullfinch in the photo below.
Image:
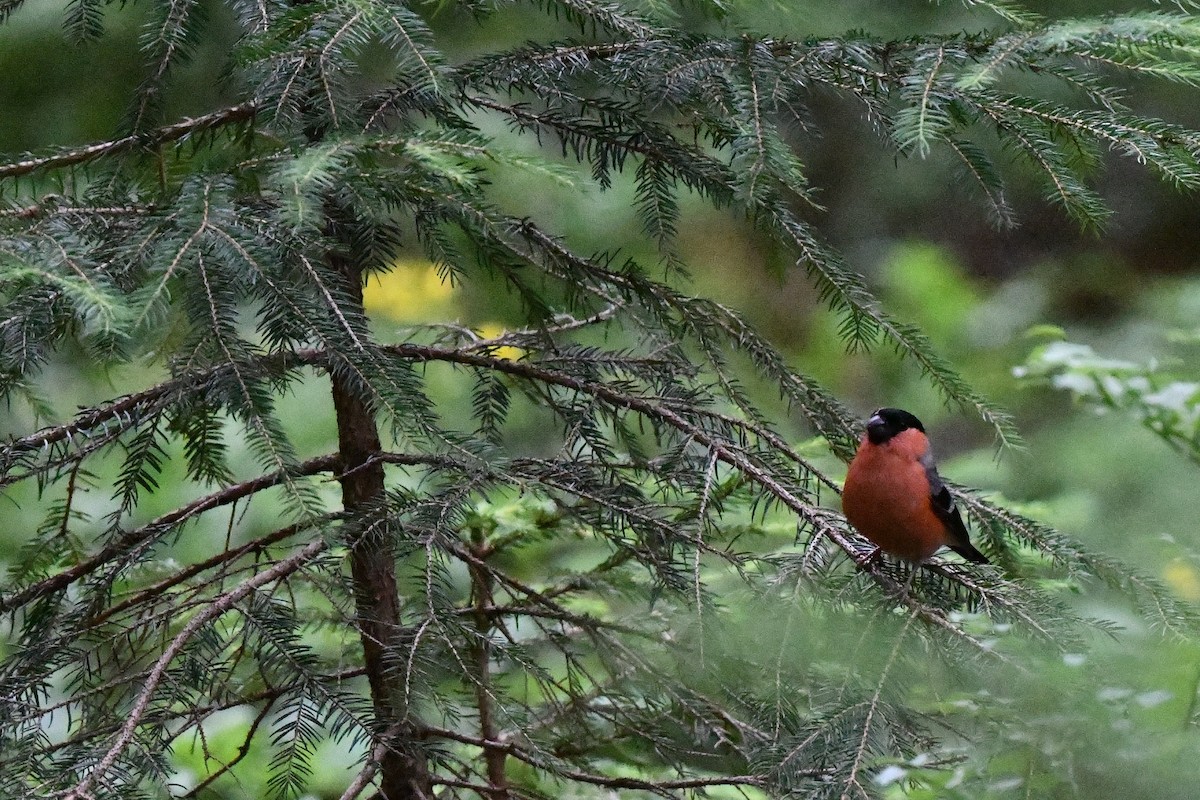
894	496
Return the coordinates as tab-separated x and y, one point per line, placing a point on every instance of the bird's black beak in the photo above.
877	429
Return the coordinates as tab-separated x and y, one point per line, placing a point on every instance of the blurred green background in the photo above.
987	297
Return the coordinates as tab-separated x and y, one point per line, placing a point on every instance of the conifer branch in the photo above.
183	575
211	612
181	720
168	133
242	272
141	536
820	520
121	410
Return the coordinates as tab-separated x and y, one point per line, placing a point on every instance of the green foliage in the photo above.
1046	737
1164	403
480	613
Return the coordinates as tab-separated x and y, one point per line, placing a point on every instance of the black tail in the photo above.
968	551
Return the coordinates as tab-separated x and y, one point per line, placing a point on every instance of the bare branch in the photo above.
243	751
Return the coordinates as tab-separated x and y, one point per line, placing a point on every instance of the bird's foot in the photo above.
906	590
872	559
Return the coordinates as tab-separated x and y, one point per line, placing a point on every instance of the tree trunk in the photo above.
403	771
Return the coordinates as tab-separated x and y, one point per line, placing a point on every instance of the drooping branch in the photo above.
155	529
152	138
103	424
114	418
242	751
368	460
223	557
180	720
210	612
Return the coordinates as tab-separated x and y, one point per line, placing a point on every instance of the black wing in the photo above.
943	505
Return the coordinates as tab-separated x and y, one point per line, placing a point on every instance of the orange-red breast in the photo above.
894	496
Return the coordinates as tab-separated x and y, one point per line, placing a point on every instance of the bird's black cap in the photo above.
887	422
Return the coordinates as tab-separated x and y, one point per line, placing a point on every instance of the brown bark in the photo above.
481	588
403	771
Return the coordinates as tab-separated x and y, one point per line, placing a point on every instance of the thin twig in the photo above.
242	752
223	557
165	523
211	612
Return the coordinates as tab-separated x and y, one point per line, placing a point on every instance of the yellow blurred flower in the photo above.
490	330
412	291
1181	576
